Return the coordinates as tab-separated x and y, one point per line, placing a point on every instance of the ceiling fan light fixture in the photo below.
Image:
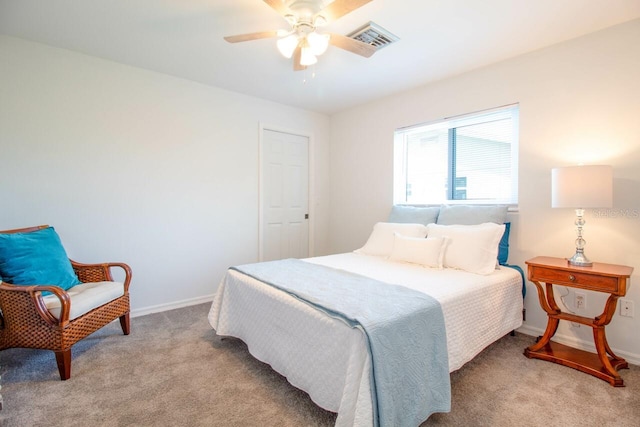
301	41
291	19
307	57
319	21
287	45
318	43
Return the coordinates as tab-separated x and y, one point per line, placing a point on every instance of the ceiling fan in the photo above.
303	42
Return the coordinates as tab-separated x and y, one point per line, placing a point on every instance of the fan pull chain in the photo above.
313	75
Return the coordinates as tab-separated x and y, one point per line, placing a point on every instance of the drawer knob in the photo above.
572	277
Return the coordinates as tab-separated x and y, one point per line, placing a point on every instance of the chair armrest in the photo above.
88	273
35	301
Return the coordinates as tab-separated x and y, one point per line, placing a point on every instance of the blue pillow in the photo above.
472	214
413	214
503	246
35	258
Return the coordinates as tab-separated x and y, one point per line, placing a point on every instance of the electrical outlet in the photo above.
580	301
626	308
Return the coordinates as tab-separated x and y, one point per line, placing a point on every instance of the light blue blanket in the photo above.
404	329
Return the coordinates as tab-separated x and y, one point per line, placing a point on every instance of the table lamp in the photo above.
581	187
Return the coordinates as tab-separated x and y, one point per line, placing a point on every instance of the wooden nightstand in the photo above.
607	278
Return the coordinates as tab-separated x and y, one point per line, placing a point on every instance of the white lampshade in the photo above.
287	45
318	43
307	57
582	187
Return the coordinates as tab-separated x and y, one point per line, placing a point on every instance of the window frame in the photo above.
400	157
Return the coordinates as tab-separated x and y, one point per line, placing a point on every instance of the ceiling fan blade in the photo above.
340	8
278	6
251	36
296	59
354	46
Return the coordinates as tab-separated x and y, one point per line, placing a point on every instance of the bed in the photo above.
329	358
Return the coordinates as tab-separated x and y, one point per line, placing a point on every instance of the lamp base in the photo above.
580	259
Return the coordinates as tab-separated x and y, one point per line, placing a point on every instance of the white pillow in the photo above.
473	248
427	252
380	242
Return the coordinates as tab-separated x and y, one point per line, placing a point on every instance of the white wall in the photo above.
162	173
579	102
135	166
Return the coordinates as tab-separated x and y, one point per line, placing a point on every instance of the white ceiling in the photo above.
438	38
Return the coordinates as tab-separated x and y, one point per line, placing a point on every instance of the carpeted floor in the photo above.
174	371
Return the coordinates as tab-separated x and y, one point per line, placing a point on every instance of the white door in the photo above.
284	196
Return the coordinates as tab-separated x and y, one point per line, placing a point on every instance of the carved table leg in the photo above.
616	362
548	303
607	366
552	327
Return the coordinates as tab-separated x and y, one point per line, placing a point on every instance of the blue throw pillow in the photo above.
35	258
503	246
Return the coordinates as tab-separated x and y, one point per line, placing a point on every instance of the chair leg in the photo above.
125	323
63	358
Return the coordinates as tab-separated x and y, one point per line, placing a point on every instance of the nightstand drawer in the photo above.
594	282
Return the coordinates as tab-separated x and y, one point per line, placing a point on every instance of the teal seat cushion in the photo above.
35	258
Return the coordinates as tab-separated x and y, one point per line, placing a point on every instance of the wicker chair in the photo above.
25	321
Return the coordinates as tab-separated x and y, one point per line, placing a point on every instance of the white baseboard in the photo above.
632	358
171	306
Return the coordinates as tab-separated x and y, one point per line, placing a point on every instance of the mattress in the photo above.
327	358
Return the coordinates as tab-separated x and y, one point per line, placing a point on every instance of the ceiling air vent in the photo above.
374	35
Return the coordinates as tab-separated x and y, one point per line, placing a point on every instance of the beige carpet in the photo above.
174	371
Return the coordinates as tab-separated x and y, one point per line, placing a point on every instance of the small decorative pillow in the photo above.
426	252
473	248
35	258
380	242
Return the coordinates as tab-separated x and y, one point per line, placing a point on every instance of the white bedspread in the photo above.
328	359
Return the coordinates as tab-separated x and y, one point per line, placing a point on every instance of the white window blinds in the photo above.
471	158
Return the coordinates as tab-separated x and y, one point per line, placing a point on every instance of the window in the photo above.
471	158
